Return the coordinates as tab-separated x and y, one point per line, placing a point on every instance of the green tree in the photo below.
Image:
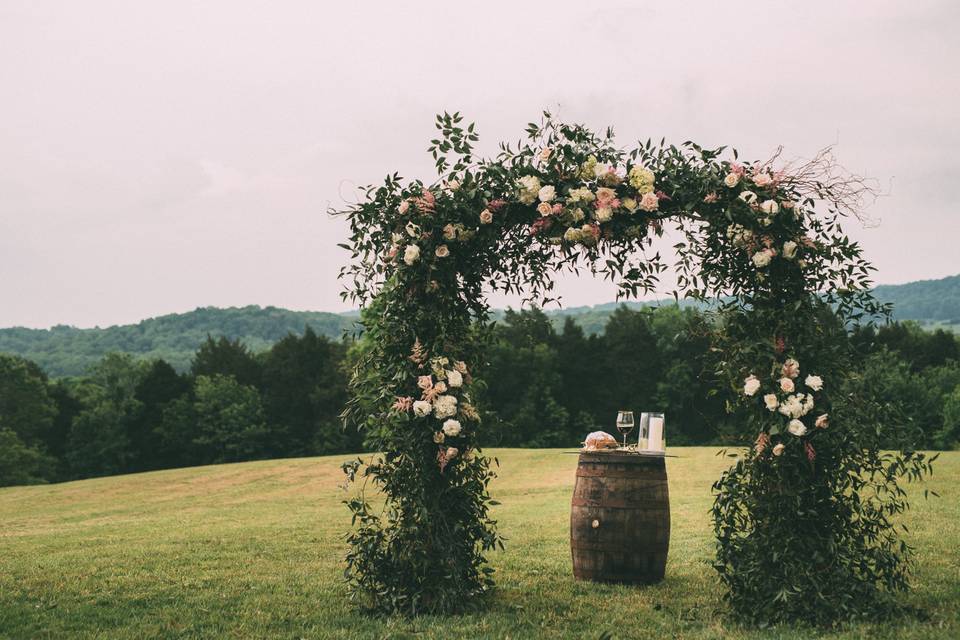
230	424
948	437
159	386
304	390
227	357
20	464
99	441
25	404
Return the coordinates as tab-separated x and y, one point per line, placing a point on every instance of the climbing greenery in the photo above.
804	518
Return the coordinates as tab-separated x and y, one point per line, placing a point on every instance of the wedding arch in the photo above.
802	518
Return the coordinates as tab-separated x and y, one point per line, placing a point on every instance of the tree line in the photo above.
541	387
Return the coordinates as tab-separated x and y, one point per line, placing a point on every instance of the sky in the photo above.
158	157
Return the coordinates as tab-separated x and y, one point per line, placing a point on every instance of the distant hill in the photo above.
65	351
927	301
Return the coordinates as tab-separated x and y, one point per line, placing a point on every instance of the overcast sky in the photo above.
156	157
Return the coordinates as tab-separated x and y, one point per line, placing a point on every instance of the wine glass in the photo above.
625	424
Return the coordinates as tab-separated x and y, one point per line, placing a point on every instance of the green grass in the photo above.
254	550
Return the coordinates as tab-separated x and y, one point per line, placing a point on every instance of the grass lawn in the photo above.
254	550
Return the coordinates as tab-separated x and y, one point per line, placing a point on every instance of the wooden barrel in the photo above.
620	518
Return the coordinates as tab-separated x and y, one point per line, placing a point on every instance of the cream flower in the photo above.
641	177
650	202
790	249
544	209
486	217
442	251
529	189
603	214
547	193
404	205
449	232
411	254
762	258
786	385
445	407
451	428
583	194
778	449
770	207
814	382
790	368
452	452
454	379
572	235
578	215
748	196
438	437
422	408
796	428
731	180
751	385
413	230
771	401
630	204
822	421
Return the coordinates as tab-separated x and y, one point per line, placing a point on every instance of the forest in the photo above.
552	385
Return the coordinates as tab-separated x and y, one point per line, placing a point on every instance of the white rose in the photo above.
796	428
814	382
771	401
778	449
748	196
789	249
731	180
486	217
770	207
413	230
603	214
572	235
411	254
422	408
751	385
397	238
454	378
451	428
822	421
547	193
442	251
452	452
445	407
786	385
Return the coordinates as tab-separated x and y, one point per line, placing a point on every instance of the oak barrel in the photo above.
620	518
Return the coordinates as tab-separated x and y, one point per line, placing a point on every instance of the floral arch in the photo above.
802	519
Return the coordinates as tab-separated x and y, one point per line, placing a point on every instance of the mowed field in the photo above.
254	550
